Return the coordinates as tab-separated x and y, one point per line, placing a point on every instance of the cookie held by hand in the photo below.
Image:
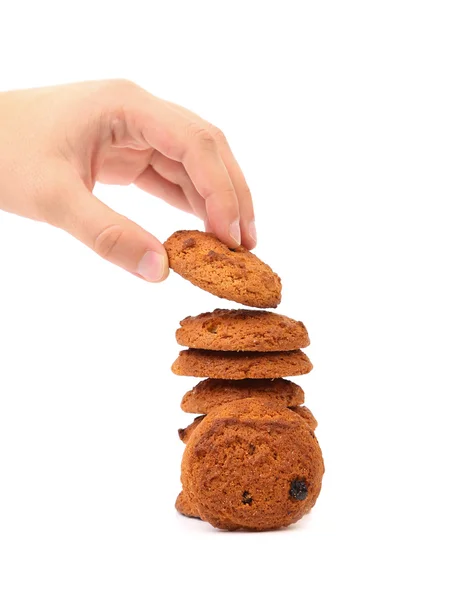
234	274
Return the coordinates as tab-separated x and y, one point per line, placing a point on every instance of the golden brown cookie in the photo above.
249	465
183	504
302	411
241	365
232	274
242	329
208	394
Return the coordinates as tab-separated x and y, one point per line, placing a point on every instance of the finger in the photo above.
214	184
180	138
175	172
246	208
153	183
111	235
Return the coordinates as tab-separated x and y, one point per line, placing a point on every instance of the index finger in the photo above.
246	208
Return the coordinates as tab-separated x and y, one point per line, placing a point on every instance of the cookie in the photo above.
241	365
235	274
242	330
249	465
210	393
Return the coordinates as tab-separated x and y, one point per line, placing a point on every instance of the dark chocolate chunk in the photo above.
298	489
247	498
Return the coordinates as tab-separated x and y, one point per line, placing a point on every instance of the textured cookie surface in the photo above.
232	274
210	393
252	466
245	330
241	365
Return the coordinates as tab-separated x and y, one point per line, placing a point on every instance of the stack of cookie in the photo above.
251	460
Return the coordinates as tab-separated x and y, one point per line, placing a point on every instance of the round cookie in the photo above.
232	274
252	466
210	393
242	330
241	365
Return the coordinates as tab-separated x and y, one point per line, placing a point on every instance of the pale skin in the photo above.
57	142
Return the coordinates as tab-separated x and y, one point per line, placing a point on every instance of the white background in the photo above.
343	117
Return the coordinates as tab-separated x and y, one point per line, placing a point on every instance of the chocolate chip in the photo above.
189	243
247	498
213	255
298	489
219	257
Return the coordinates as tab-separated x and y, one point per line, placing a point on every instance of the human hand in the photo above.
57	142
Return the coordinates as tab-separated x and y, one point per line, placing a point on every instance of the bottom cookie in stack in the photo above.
250	464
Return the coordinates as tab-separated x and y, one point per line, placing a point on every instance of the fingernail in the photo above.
235	232
152	266
253	231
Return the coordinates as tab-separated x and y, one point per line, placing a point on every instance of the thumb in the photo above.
112	236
